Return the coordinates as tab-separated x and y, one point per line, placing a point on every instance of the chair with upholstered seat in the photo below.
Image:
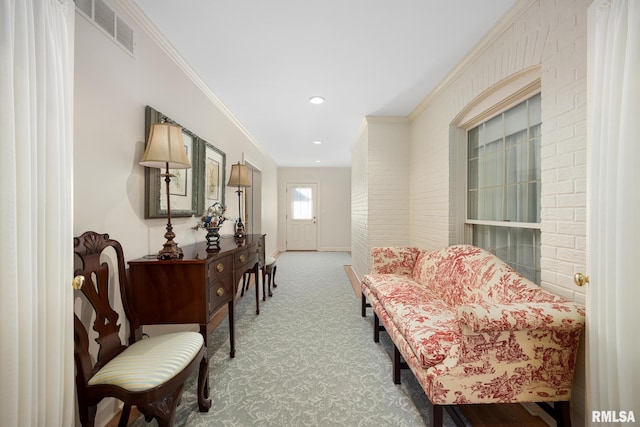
148	373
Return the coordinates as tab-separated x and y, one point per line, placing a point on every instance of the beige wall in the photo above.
546	37
112	88
334	204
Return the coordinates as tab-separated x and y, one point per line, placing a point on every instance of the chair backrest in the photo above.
88	249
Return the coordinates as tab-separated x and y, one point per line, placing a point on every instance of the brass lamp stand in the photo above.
165	149
239	177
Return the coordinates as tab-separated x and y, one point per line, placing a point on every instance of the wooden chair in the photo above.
148	373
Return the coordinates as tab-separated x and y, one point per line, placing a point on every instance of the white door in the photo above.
302	226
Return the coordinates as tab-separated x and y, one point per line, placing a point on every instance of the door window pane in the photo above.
302	203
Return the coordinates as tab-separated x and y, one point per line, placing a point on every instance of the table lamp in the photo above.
239	178
165	149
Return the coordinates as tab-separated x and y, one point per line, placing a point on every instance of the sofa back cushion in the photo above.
464	274
394	259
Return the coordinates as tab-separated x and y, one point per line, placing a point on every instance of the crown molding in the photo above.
136	14
386	119
496	31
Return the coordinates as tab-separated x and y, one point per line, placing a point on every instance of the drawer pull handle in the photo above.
220	292
220	268
243	258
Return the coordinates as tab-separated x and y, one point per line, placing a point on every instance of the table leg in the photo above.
232	334
256	272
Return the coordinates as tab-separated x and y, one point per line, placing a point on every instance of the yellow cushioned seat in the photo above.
150	362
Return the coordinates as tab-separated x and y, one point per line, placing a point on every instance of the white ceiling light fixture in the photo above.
317	142
317	100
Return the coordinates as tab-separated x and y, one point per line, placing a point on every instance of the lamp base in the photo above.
170	249
239	230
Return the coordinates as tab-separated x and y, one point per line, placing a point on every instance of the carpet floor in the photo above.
308	359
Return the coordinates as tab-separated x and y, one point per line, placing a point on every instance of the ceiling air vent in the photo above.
105	18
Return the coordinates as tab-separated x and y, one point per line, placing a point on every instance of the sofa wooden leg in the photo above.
376	328
562	413
436	415
396	365
364	306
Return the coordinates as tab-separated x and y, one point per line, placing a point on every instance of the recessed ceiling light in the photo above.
316	100
317	161
317	142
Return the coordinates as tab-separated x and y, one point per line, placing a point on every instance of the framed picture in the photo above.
183	187
192	190
214	175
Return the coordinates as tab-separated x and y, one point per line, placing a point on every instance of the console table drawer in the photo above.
219	268
246	258
220	293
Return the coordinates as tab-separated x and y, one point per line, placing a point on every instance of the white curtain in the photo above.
613	312
36	206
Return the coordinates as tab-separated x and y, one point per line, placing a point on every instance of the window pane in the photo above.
493	129
301	203
472	205
474	142
515	119
503	182
534	160
535	110
518	247
533	210
472	181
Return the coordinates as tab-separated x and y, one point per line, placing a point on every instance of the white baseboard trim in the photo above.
336	249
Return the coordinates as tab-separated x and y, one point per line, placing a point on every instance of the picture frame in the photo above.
213	182
193	190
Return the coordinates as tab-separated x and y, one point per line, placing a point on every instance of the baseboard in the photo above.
355	283
335	249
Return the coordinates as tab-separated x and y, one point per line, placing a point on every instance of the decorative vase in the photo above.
213	238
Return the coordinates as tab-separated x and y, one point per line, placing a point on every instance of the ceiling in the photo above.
264	60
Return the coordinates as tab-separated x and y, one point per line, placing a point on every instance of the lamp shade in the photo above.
164	146
239	176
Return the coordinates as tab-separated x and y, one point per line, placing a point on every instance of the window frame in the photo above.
497	99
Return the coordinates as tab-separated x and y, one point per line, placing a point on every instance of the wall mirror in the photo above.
192	190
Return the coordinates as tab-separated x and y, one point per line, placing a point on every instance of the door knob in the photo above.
580	279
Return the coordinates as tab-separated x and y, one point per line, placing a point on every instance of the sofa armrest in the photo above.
485	317
394	259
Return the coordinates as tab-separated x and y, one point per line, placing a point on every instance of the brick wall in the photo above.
547	34
380	197
359	204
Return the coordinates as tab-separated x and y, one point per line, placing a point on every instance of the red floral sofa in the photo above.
472	329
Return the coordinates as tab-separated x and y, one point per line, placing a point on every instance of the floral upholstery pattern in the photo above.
472	329
394	260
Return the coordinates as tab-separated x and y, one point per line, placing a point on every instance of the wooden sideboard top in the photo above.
197	252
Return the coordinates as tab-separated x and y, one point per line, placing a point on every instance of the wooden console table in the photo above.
192	289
